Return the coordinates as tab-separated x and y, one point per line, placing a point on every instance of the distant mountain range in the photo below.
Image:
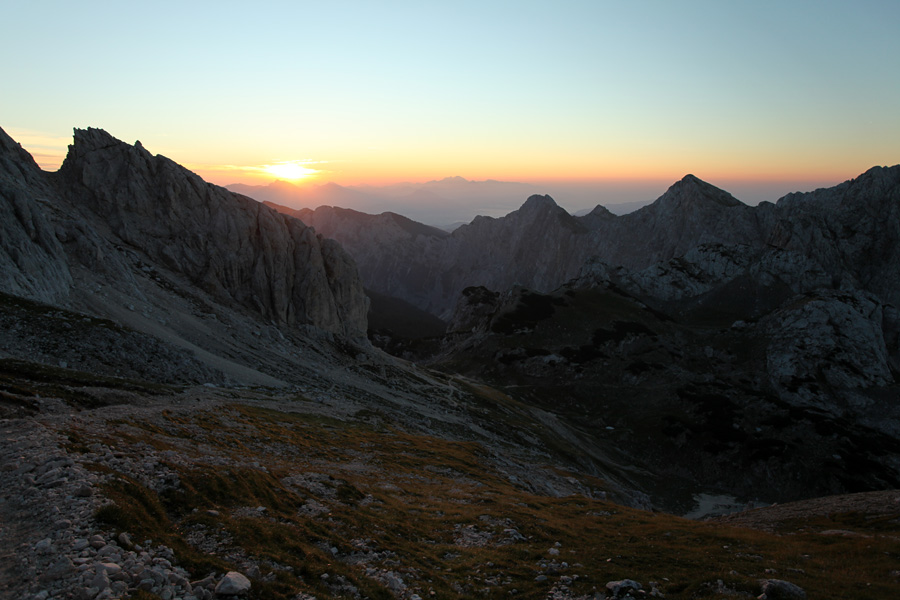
445	203
541	246
439	202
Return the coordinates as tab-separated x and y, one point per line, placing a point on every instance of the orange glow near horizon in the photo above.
290	170
392	166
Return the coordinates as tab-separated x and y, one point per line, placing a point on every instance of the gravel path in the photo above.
50	545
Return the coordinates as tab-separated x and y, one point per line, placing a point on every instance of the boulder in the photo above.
622	588
232	584
777	589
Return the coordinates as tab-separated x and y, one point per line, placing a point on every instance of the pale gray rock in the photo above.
828	338
126	264
232	584
852	228
777	589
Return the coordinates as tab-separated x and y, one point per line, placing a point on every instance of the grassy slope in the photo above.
437	515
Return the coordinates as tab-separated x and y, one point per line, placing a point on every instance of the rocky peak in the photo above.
538	201
474	309
11	152
597	217
93	138
229	245
876	183
693	193
538	209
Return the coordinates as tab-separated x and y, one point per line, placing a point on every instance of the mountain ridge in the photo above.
489	251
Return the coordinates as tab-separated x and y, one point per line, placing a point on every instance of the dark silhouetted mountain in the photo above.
299	196
442	201
125	235
541	247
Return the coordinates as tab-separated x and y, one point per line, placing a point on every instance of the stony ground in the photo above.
192	493
50	544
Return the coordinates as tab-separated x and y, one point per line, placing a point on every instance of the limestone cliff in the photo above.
231	246
32	261
122	235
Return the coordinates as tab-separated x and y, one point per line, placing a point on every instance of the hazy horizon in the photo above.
455	198
592	101
620	197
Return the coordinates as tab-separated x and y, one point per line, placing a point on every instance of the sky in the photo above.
612	101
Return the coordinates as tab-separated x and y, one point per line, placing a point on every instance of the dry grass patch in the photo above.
351	506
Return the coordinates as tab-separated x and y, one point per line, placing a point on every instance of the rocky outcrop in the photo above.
32	261
749	281
229	245
852	230
827	346
126	264
474	310
690	213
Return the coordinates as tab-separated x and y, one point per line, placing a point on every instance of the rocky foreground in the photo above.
212	493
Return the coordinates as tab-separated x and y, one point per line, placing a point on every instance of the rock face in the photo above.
852	230
474	310
32	261
231	246
135	239
831	340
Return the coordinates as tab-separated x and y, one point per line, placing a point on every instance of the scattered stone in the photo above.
622	588
101	580
208	582
778	589
232	584
111	569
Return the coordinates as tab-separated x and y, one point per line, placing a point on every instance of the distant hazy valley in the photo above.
188	364
446	203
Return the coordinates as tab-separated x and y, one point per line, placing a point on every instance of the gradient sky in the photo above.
768	93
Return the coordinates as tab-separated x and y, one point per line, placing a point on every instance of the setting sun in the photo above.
292	170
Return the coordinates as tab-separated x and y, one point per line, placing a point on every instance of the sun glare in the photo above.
292	170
